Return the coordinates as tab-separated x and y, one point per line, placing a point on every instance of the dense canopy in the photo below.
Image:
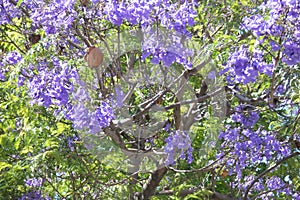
149	99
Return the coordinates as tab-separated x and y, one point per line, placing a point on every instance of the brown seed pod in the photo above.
34	38
84	2
94	57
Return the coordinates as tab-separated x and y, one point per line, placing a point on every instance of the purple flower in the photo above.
51	85
178	142
119	96
104	114
13	57
167	127
168	58
71	142
21	80
81	95
296	196
250	148
274	183
274	46
89	118
256	24
280	89
2	77
57	15
248	120
79	115
94	126
113	13
34	182
33	195
242	68
292	52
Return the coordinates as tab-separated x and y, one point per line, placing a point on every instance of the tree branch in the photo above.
196	100
267	171
149	188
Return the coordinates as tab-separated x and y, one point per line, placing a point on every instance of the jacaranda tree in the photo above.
149	99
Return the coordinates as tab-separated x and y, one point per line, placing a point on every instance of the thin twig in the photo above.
267	171
200	99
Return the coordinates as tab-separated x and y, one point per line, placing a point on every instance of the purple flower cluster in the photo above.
2	72
258	186
2	76
178	142
33	195
58	15
279	7
80	116
292	52
274	184
174	16
13	58
249	148
280	89
244	69
118	97
104	114
51	85
8	11
248	120
134	12
54	83
87	117
165	46
259	26
34	182
286	31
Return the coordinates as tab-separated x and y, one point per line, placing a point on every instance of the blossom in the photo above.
244	68
34	182
33	195
274	183
178	142
51	86
13	58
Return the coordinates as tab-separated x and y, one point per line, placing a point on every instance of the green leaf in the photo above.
3	139
18	140
60	128
244	2
27	149
51	142
191	196
19	3
4	165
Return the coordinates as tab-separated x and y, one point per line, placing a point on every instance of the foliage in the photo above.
193	100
